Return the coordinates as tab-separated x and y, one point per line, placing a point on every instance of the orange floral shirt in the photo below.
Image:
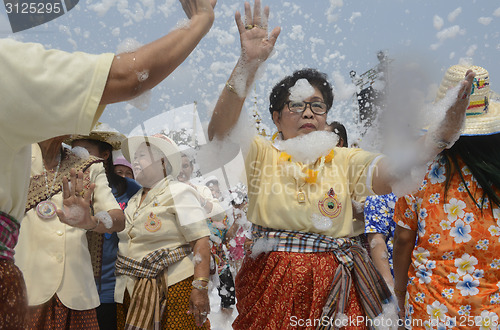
454	276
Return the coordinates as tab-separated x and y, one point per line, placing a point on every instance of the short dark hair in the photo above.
280	93
340	130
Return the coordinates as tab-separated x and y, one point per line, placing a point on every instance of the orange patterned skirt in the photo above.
287	290
54	315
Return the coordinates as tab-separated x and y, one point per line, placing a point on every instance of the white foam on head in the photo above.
301	90
309	147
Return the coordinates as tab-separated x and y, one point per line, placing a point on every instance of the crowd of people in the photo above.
316	239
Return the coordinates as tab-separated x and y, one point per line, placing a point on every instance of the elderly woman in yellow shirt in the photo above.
163	253
314	274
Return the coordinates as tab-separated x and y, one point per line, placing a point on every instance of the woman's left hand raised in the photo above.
76	202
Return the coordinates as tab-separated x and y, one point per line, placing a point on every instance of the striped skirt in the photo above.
287	290
175	316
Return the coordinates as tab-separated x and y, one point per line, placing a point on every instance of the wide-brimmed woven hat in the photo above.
162	142
101	132
483	113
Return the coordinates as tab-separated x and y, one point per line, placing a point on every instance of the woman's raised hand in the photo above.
76	202
256	44
449	129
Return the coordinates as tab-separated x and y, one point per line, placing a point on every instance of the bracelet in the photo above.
96	224
204	279
230	87
198	286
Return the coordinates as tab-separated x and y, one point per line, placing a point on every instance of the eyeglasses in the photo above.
317	107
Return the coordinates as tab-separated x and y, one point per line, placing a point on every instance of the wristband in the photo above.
204	279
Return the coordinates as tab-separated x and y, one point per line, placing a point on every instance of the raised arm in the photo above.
159	58
430	145
256	46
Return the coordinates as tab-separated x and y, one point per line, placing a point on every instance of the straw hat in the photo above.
483	114
162	142
101	132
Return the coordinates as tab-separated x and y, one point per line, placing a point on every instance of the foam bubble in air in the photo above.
105	219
